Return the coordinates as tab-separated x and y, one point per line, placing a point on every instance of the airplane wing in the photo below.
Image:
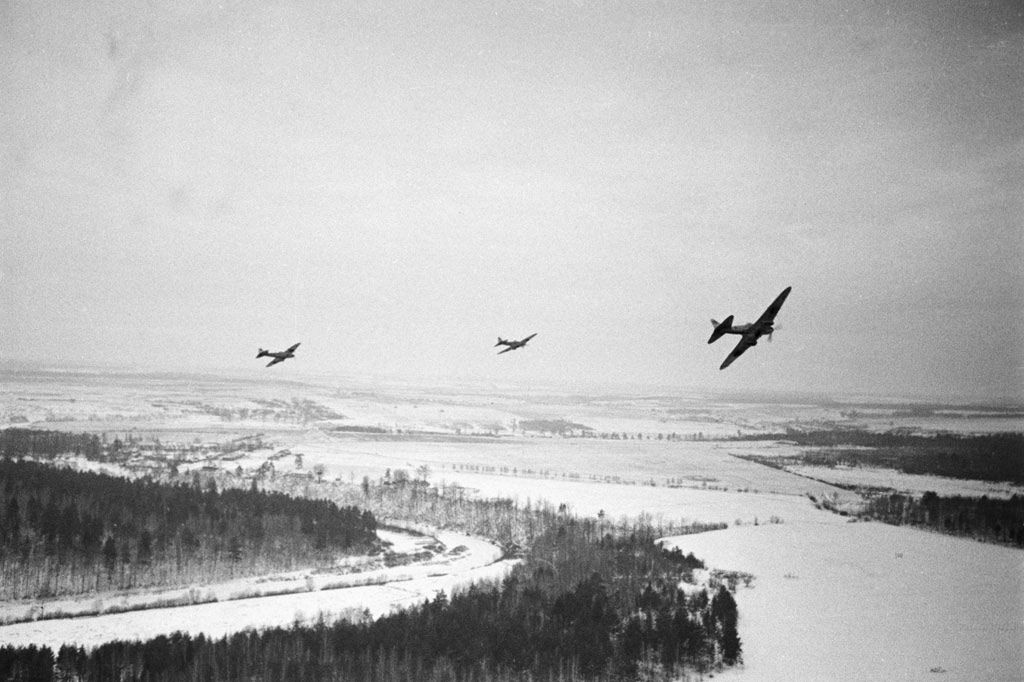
773	309
746	342
292	349
507	349
523	342
275	361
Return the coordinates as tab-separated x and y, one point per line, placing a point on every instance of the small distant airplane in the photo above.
765	325
279	356
512	345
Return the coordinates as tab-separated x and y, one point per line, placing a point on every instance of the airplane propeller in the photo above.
772	332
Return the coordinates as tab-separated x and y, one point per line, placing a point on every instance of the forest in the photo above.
65	532
16	443
982	518
592	598
581	606
986	457
449	506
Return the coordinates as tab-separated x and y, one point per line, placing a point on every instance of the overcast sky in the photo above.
396	184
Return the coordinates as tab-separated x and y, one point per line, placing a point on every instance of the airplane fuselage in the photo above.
280	355
750	329
512	345
738	329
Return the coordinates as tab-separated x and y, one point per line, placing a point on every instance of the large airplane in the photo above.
765	325
279	356
512	345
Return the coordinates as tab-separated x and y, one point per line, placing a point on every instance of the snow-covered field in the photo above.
668	504
968	423
830	599
682	463
95	401
867	601
916	484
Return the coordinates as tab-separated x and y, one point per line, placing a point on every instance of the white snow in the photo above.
691	464
910	483
673	504
406	585
830	599
867	601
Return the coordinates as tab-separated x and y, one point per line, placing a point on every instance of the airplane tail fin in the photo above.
261	353
720	328
501	342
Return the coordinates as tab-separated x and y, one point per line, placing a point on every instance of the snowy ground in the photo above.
683	463
94	401
668	504
439	552
405	585
830	599
969	423
909	483
867	601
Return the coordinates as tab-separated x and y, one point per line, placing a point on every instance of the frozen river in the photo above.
867	601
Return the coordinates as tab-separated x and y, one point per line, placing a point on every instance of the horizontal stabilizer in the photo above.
720	328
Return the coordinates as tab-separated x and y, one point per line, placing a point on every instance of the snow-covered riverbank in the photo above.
460	560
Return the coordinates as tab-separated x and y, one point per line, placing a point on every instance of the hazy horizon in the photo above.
396	186
362	381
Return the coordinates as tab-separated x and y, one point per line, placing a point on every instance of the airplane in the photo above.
512	345
765	325
279	356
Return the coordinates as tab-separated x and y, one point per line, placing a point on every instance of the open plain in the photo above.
831	598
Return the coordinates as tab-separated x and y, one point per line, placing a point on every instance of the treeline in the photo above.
982	518
15	443
580	606
449	506
18	443
298	410
987	457
559	426
64	532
